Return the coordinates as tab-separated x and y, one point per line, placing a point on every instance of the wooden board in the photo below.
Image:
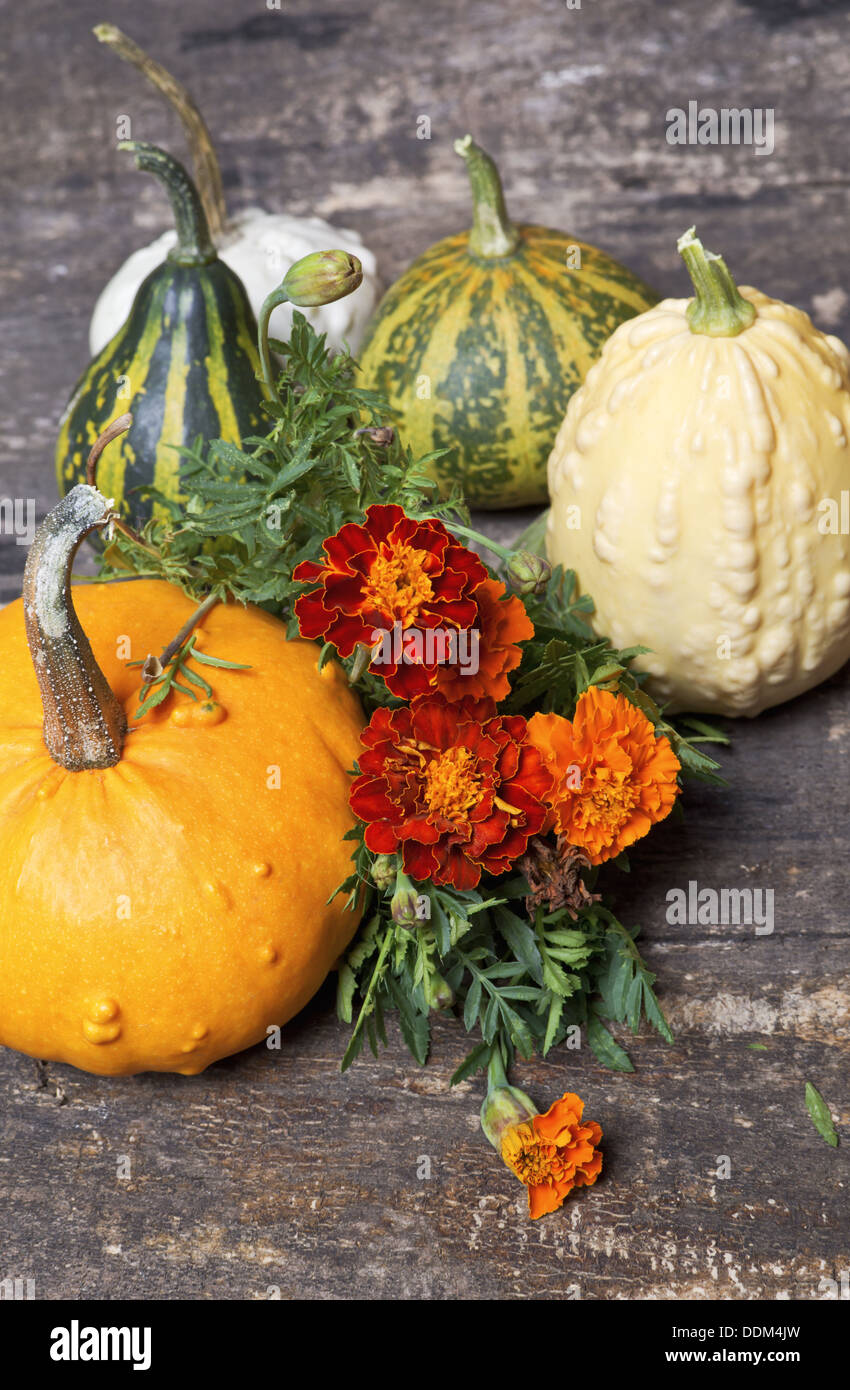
272	1171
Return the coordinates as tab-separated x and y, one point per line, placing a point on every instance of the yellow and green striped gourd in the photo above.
479	345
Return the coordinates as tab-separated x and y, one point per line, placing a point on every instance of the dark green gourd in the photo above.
184	364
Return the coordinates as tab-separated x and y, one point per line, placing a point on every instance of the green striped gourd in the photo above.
184	364
480	344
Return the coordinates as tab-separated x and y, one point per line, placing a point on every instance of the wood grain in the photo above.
272	1171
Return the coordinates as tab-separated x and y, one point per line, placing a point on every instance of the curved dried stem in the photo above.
116	427
204	157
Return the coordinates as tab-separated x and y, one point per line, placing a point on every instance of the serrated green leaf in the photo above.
556	1008
654	1014
472	1004
476	1060
605	1048
415	1027
207	660
633	1003
520	938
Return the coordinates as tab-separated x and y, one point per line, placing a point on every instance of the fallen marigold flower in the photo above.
553	1153
612	778
455	787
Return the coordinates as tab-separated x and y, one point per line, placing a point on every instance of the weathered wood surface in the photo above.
272	1170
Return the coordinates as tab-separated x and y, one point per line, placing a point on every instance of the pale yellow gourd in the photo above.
696	488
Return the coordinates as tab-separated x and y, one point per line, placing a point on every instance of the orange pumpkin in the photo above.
164	884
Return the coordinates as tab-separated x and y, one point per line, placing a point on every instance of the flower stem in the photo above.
718	308
116	427
270	303
493	546
496	1074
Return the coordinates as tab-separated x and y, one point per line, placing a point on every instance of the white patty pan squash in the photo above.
695	483
259	246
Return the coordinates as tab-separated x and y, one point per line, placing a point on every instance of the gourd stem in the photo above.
270	303
718	308
204	157
194	245
493	233
84	723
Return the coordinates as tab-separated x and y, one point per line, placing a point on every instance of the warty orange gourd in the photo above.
164	883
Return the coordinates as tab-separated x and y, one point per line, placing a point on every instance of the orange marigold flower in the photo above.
612	778
553	1153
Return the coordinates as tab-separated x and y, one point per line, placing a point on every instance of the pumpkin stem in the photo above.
204	157
194	246
493	233
84	724
718	308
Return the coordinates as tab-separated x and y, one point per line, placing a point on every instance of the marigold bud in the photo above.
405	901
503	1107
384	870
528	573
322	277
438	993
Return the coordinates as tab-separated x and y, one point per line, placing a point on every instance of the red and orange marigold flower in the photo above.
455	787
392	574
612	778
501	623
553	1153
